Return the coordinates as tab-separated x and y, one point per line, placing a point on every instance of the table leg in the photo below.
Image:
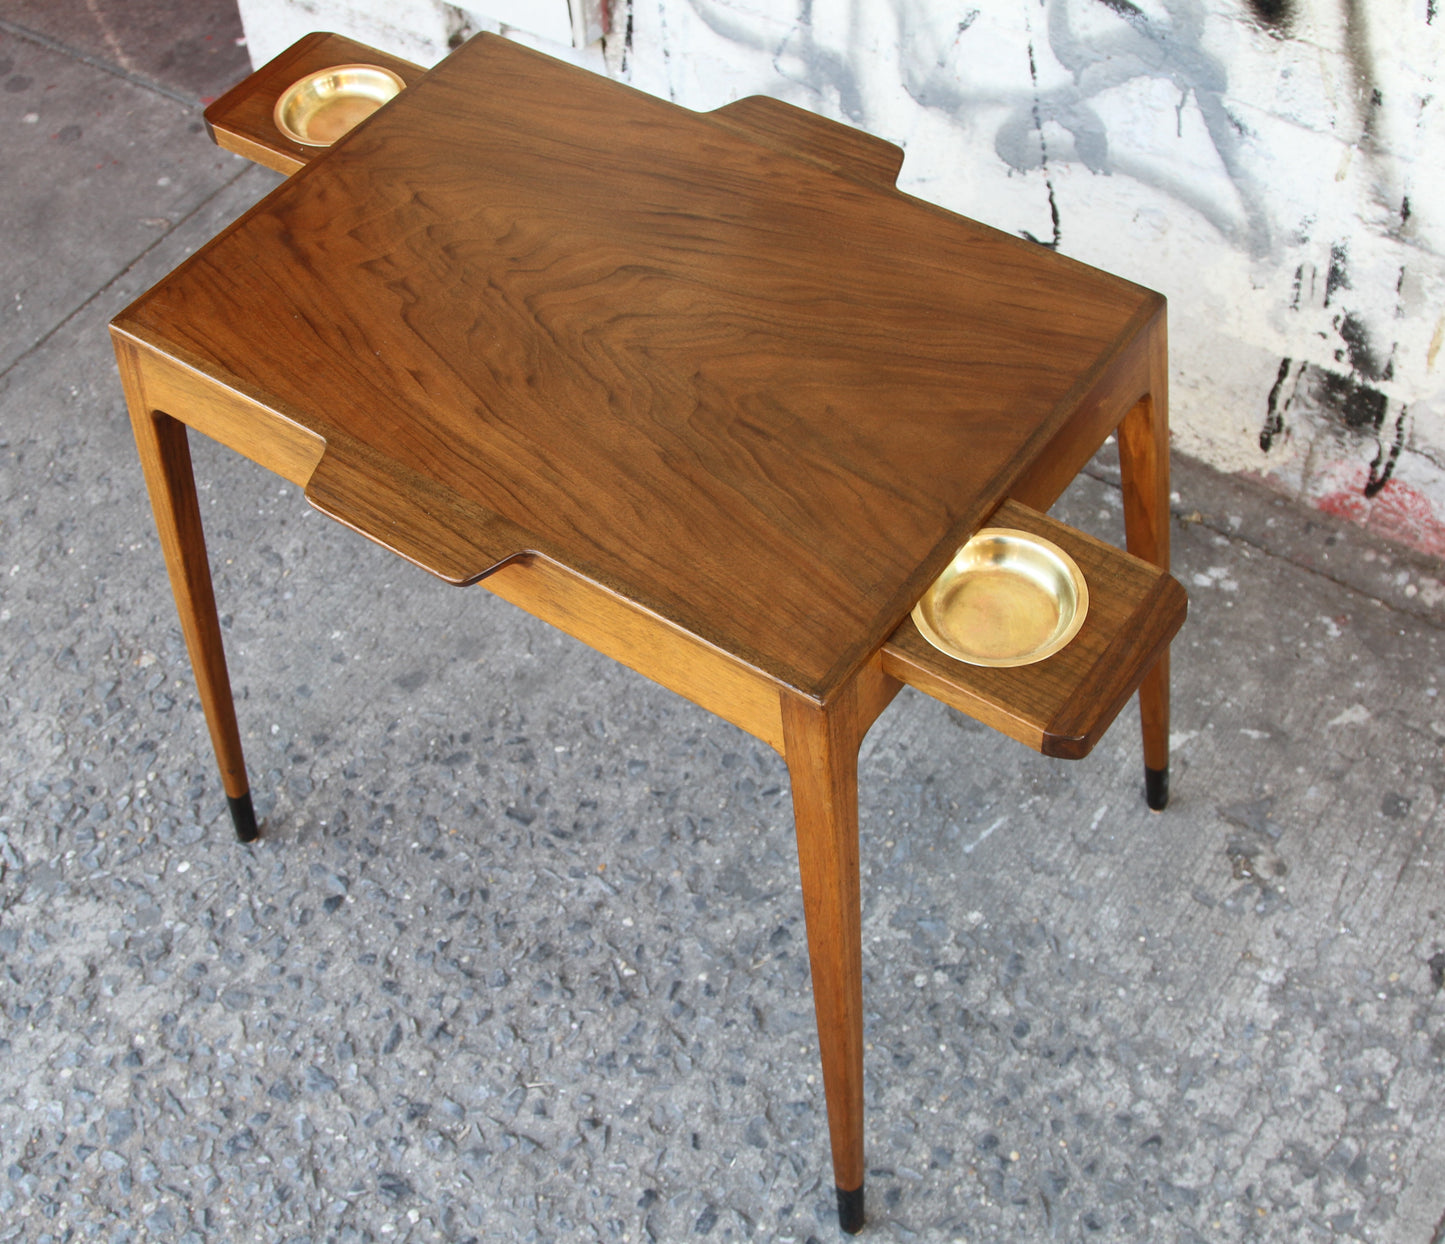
166	460
822	753
1144	468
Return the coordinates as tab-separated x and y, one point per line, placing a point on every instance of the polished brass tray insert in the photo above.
323	106
1007	598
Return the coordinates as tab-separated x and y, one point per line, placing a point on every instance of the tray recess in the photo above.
1008	598
243	120
328	104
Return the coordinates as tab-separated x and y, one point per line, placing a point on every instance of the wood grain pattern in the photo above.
753	396
851	152
1144	473
822	754
239	422
1062	705
649	645
165	457
241	119
1122	384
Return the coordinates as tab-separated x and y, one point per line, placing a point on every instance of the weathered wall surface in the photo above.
1273	166
422	30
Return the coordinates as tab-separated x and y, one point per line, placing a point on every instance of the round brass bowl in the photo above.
1007	598
323	106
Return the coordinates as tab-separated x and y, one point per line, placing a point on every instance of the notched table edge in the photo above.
801	134
450	538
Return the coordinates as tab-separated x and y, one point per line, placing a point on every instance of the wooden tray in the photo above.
242	119
1061	705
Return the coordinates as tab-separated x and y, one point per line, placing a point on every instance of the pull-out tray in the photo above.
242	119
1061	705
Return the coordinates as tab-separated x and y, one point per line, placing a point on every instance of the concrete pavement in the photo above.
521	956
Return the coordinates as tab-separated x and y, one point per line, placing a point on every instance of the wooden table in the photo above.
705	391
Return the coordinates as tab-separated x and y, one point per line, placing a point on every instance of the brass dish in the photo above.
323	106
1008	598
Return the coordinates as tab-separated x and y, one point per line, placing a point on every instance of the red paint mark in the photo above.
1397	511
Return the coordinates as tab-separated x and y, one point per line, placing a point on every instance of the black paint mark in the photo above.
1429	12
1338	276
1354	406
1054	216
1044	151
1362	64
627	39
1352	402
1363	360
1359	407
1131	13
1274	418
1405	211
1299	277
1275	14
1437	969
1379	478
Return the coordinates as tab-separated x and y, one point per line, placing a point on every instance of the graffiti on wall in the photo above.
1355	433
1054	83
1137	46
830	57
1346	397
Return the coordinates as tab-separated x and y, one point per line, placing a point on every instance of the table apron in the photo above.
253	430
588	612
643	642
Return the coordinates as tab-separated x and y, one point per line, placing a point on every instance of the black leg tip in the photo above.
1156	788
243	816
850	1209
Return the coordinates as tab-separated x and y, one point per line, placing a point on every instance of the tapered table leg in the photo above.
166	460
1144	468
822	754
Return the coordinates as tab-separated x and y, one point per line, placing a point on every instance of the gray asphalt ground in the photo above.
521	955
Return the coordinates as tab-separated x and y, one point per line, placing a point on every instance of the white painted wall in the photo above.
425	30
415	30
1276	167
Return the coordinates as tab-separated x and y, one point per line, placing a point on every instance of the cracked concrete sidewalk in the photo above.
521	956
